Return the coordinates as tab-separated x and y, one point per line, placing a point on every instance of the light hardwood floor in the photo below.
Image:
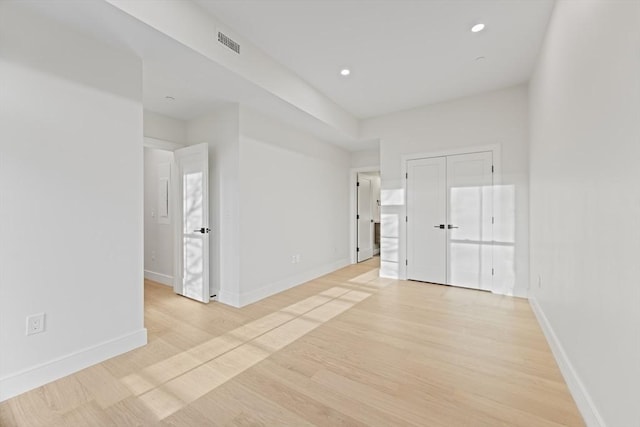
348	348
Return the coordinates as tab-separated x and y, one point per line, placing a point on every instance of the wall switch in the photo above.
35	323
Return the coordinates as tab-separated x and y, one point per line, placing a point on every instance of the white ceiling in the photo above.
402	53
198	84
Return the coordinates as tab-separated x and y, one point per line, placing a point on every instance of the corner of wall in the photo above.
579	392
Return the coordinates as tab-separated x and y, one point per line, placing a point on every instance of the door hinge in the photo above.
493	220
406	219
357	216
492	271
406	175
406	262
491	168
357	184
357	249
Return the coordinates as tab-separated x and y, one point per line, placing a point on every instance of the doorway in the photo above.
176	219
449	219
367	215
158	216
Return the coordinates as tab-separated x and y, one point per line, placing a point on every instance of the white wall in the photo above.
71	200
158	230
294	195
365	158
165	128
498	117
275	192
220	130
585	203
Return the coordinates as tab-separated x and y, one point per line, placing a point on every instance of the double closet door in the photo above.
450	220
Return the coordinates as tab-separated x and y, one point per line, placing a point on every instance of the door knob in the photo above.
451	226
439	226
202	230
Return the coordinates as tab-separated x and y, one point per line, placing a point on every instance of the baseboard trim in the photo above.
28	379
229	298
164	279
582	398
240	300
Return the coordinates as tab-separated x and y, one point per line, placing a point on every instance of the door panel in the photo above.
469	224
426	211
192	261
365	220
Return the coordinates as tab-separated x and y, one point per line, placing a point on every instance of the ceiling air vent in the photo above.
228	42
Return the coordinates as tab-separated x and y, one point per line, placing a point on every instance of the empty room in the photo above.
319	212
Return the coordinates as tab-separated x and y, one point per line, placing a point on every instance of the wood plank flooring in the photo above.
348	348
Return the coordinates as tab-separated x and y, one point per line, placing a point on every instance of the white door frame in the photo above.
170	146
353	209
365	216
161	144
497	180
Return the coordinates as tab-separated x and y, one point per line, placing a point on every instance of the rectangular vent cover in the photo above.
228	42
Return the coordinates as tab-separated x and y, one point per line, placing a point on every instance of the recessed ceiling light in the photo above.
170	98
477	28
345	72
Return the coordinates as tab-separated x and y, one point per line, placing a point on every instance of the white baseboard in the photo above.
164	279
28	379
229	298
582	398
240	300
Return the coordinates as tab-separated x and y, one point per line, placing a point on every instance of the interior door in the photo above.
365	219
192	222
426	220
470	220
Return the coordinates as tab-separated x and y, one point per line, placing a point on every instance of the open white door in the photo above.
192	222
365	220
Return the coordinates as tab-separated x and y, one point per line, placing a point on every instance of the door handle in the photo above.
449	226
202	230
439	226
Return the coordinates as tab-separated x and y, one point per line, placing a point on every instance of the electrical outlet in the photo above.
35	323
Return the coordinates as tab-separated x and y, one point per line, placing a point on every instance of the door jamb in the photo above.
165	145
497	180
353	209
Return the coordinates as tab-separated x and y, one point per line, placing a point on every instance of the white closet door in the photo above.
426	220
469	224
365	220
